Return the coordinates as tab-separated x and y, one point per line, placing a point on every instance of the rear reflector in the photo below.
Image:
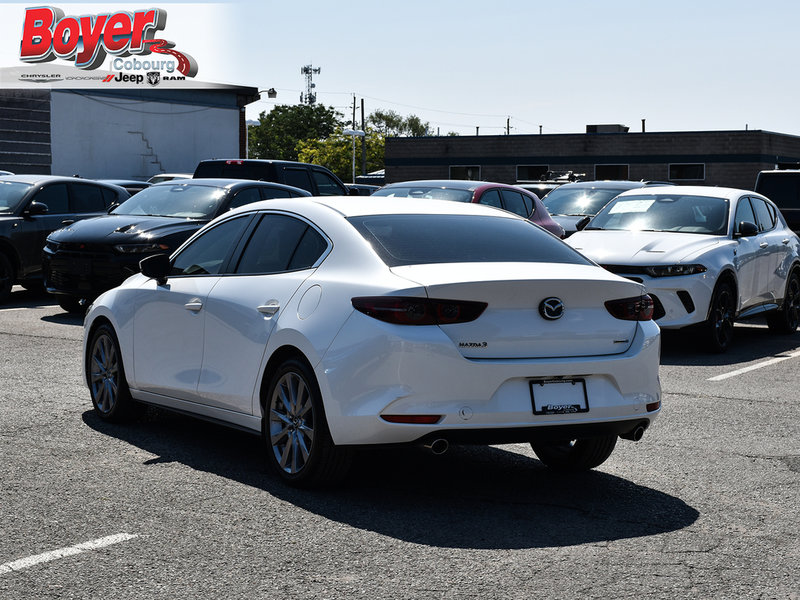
413	419
639	308
404	310
653	406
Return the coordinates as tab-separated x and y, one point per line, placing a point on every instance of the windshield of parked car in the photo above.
177	200
11	194
579	201
665	212
425	191
426	239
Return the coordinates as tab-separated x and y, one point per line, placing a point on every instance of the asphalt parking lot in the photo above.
705	506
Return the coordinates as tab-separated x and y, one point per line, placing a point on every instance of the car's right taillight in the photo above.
403	310
638	308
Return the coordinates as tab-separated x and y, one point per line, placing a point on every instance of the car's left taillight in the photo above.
638	308
404	310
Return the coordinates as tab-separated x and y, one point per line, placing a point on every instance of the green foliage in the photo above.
389	123
279	131
336	153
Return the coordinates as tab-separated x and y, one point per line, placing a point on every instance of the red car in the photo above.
508	197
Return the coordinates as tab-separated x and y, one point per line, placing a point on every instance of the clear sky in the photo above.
682	65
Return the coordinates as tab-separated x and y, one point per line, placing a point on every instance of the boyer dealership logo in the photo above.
88	39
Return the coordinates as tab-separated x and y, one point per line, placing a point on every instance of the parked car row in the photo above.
326	324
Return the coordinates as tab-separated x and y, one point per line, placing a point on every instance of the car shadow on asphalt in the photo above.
752	340
475	497
33	298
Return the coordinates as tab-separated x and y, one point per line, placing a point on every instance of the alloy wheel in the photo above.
291	422
104	373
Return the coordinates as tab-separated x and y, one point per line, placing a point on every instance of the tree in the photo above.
389	123
279	131
336	153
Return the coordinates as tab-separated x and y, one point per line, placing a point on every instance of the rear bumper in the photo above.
371	371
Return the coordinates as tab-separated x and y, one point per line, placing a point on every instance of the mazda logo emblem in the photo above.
551	308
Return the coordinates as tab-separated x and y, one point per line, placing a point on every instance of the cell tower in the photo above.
309	97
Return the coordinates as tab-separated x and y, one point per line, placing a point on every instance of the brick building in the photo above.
724	158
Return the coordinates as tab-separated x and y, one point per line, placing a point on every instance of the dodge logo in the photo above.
551	308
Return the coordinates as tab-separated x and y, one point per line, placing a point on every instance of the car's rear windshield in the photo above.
665	212
425	191
11	194
579	201
176	200
235	169
782	189
425	239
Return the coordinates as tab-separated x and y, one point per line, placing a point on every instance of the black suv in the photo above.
84	260
32	206
318	181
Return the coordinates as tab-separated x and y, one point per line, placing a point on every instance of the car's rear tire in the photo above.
721	315
6	277
71	305
787	318
105	373
576	455
297	440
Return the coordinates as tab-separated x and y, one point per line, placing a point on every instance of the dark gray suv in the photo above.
31	207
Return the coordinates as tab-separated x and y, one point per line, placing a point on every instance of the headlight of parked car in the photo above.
674	270
140	248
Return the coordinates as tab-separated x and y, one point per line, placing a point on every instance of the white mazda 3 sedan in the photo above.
328	324
707	256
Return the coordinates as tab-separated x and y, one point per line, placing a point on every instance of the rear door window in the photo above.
281	243
514	203
86	198
298	178
267	193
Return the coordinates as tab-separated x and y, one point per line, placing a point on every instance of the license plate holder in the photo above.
559	396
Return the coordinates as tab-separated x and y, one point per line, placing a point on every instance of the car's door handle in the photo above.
67	221
194	304
785	241
270	308
763	245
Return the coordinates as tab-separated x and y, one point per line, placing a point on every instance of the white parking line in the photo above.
24	563
760	365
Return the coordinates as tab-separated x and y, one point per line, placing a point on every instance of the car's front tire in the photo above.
105	373
576	455
721	315
298	442
71	305
787	318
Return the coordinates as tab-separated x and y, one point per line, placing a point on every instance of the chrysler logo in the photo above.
551	308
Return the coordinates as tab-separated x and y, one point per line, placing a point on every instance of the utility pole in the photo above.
363	141
354	111
508	126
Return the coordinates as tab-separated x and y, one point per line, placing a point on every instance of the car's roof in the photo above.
34	179
691	190
229	184
453	184
604	184
356	206
130	182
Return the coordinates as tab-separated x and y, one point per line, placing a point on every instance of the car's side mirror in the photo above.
36	208
581	225
747	229
156	267
353	192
